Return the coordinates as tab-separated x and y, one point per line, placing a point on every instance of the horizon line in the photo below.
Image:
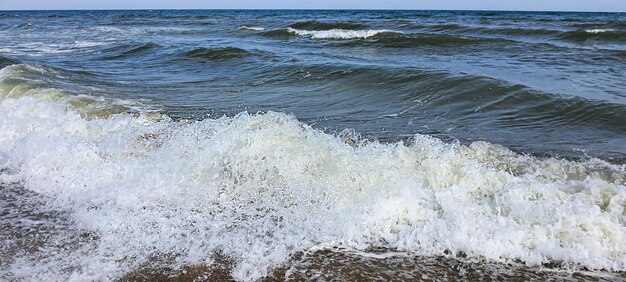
306	9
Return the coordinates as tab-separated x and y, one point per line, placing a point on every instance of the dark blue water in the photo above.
330	145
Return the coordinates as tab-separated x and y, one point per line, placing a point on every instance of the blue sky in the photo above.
543	5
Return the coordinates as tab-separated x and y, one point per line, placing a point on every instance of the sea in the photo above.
299	145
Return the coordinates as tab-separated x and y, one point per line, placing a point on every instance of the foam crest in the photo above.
339	33
260	188
253	28
599	30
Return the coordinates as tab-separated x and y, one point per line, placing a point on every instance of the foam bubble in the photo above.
259	188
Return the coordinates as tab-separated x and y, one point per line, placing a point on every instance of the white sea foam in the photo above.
598	30
40	49
340	33
108	29
87	44
254	28
262	187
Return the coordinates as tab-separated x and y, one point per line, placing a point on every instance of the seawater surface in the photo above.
278	145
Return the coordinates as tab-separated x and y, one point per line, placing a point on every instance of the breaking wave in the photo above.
253	28
385	37
598	30
340	33
260	188
317	25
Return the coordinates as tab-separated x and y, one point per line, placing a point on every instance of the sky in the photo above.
519	5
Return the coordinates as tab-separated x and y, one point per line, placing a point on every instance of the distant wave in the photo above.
485	29
3	16
124	51
317	25
217	54
340	33
148	15
419	39
278	33
444	27
518	31
606	35
599	30
253	28
200	17
57	16
107	29
385	37
405	16
613	24
25	26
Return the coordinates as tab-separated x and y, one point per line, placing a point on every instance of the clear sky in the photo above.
526	5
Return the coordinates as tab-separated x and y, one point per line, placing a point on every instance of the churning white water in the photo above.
261	187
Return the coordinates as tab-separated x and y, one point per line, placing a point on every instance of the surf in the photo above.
262	187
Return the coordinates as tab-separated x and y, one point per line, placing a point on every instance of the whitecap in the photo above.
598	30
253	28
340	33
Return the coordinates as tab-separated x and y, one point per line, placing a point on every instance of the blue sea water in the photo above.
265	135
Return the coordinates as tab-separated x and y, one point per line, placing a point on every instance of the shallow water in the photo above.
312	144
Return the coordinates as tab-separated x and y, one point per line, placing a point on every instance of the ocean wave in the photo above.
57	16
42	49
524	108
217	54
340	33
44	83
405	16
611	24
4	16
278	33
138	16
397	40
253	28
599	30
518	31
317	25
261	188
385	37
107	29
469	29
125	51
24	26
5	61
500	103
200	17
444	27
600	35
